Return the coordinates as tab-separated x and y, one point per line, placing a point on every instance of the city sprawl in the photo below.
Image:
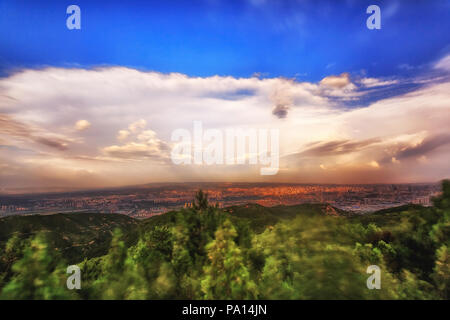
148	200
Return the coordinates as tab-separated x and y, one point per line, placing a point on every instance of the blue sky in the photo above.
304	39
98	106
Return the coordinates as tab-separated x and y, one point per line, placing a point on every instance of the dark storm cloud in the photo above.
17	129
337	147
428	145
232	95
280	111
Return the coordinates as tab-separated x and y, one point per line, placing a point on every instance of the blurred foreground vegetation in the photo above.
246	252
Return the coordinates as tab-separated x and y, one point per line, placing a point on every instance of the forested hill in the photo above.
75	235
86	235
309	251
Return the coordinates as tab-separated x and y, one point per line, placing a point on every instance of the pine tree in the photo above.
440	234
121	278
226	277
441	273
39	274
200	200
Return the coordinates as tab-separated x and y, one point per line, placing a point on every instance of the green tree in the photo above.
226	276
120	278
39	274
12	252
200	200
440	234
441	275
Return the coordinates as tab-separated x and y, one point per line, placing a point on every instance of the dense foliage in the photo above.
248	252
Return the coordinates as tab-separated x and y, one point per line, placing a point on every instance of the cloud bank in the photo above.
111	126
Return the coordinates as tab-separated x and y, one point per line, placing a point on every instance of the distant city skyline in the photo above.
96	107
148	200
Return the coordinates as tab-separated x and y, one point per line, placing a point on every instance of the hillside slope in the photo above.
75	235
78	236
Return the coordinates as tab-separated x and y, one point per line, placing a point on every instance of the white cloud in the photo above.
394	160
125	103
340	87
134	151
137	125
339	81
374	82
123	135
146	146
81	125
443	64
374	164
